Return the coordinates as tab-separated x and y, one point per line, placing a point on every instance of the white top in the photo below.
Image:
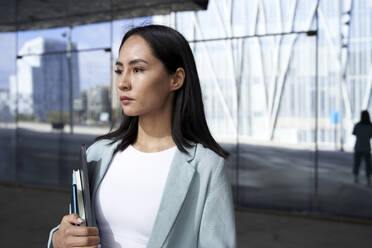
129	196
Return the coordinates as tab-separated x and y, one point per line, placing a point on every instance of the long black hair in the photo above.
364	118
188	117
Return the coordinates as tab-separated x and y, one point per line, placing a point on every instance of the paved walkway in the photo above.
27	214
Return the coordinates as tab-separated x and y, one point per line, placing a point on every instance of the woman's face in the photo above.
143	84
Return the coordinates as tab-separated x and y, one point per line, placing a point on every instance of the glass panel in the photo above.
259	96
7	109
32	41
219	98
242	18
43	107
184	25
213	23
303	14
91	36
341	102
92	103
276	123
48	151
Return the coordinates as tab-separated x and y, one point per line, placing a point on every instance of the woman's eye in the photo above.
136	69
118	71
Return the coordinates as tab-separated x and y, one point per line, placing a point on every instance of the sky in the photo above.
94	66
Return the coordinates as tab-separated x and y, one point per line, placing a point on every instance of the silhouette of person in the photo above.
362	149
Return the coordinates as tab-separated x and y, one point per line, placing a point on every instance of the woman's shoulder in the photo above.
95	150
210	166
207	159
206	153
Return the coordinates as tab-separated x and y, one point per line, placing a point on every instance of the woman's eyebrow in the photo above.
134	61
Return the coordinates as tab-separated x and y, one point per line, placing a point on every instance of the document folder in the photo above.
81	203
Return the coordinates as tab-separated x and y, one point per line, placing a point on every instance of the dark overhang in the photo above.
41	14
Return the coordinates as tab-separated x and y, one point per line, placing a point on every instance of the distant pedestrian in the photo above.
362	149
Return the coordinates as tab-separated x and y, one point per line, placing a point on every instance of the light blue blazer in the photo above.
196	209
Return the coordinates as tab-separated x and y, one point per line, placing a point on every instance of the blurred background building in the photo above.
98	104
43	87
283	83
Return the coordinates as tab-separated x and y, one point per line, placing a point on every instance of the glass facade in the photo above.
8	122
283	84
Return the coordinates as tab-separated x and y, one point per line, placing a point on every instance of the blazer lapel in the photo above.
177	185
105	161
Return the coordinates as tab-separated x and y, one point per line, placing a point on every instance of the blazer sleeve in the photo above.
50	244
217	228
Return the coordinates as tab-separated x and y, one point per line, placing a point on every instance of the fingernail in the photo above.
80	220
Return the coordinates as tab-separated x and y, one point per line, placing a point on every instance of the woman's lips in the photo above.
125	99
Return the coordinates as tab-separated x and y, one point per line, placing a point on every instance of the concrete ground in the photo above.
27	215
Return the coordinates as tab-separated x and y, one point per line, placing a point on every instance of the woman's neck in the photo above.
154	133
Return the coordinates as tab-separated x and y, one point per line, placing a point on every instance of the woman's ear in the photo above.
178	78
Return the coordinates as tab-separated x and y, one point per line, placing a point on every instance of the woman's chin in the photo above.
128	112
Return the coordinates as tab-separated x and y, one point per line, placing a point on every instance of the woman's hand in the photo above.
69	235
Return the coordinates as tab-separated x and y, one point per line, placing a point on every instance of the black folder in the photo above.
81	197
85	183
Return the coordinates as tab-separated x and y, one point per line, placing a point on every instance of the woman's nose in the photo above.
123	81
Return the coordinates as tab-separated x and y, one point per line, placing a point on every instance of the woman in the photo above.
159	180
362	149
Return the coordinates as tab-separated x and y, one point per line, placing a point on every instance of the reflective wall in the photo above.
283	84
8	134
